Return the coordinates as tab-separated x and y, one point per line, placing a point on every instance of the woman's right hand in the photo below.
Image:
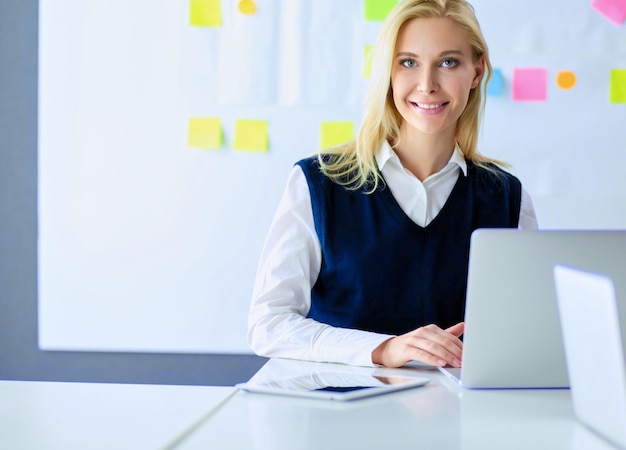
428	344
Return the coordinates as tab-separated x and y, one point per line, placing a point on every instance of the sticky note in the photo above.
367	61
565	79
613	10
495	88
377	10
530	84
335	133
205	13
618	86
247	7
251	135
204	132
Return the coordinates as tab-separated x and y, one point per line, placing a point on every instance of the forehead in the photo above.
433	34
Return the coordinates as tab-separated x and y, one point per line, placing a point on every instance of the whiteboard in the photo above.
149	244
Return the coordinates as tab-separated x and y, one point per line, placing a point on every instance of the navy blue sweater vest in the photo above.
380	270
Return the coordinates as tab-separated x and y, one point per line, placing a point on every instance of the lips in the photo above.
429	107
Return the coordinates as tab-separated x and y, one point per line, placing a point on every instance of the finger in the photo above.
434	358
446	353
443	338
457	330
425	348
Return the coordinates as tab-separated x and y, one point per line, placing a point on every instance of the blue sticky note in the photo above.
495	88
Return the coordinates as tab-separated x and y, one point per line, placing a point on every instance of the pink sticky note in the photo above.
614	10
530	84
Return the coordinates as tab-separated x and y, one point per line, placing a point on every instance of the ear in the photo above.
479	67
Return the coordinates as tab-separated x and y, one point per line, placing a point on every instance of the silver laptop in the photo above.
594	350
512	332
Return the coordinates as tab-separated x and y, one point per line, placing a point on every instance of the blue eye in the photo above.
408	63
449	62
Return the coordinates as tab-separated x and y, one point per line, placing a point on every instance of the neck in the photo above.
424	154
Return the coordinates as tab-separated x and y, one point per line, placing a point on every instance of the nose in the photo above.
427	81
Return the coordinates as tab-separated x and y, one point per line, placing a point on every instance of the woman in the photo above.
366	260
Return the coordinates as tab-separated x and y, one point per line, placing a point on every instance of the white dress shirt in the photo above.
291	259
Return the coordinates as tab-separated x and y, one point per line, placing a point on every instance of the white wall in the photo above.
146	244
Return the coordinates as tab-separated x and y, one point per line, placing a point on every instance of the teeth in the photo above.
429	106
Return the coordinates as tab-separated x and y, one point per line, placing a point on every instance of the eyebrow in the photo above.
442	54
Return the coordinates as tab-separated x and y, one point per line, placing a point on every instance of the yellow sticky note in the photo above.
247	7
377	10
251	135
618	86
367	61
204	132
335	133
205	13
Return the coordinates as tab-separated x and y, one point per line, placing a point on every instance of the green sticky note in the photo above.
618	86
367	61
335	133
377	10
251	135
204	132
205	13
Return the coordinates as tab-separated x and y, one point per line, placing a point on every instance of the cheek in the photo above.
394	83
398	88
472	79
465	87
399	101
395	91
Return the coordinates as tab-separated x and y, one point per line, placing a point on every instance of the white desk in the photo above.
66	416
439	415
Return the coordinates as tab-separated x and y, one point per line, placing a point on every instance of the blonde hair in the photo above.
353	164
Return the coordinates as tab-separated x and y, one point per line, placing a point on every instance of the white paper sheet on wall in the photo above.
248	45
148	244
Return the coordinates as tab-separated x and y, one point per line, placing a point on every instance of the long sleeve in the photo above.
288	267
527	216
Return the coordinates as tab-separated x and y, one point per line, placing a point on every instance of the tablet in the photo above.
334	385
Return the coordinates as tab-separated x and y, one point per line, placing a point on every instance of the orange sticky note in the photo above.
251	135
335	133
204	132
205	13
530	84
565	79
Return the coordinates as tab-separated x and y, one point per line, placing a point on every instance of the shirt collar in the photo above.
386	155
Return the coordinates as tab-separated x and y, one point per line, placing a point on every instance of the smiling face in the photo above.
432	74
